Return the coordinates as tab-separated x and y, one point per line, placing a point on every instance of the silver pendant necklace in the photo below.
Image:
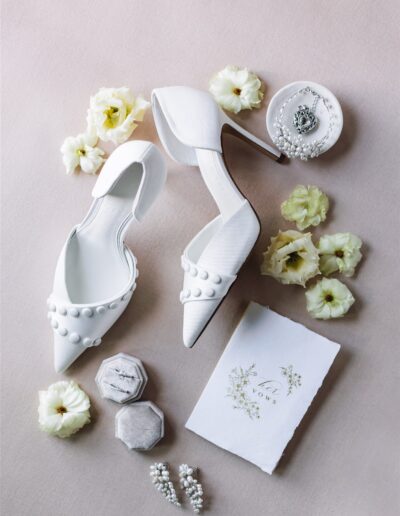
304	121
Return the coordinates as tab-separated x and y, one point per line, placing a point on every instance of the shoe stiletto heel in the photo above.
231	127
190	125
96	272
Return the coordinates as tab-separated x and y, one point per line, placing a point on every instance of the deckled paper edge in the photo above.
267	468
270	469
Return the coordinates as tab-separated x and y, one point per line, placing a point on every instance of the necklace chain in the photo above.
295	145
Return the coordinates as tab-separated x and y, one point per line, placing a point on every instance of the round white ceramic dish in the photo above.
280	115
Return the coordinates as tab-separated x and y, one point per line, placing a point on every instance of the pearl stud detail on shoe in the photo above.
216	278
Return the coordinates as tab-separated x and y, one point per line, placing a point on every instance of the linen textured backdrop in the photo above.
343	460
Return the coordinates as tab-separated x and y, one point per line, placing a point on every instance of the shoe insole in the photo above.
96	267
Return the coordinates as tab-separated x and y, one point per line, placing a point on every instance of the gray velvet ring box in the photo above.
121	378
140	425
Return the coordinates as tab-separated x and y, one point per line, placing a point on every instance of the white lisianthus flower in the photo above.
329	299
306	206
81	151
339	252
113	113
291	258
63	409
236	88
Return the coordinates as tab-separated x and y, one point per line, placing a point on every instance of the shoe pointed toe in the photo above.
196	316
65	353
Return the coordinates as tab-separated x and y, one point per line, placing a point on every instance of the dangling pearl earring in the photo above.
159	474
193	488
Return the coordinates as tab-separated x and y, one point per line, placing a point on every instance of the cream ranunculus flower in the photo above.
291	258
236	88
113	113
81	151
63	409
306	206
339	252
328	299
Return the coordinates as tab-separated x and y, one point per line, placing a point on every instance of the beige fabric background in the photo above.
344	459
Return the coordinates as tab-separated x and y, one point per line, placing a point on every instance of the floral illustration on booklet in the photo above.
247	392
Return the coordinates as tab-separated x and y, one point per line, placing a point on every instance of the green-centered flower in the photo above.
63	409
236	88
328	299
339	252
114	114
291	258
81	151
306	206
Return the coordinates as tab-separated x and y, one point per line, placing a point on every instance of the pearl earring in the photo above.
193	488
159	474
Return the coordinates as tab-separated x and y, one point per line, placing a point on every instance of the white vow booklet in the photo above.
262	386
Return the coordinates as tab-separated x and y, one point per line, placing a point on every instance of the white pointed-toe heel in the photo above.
190	125
96	272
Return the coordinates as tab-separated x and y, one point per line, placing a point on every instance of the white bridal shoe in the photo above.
96	272
190	124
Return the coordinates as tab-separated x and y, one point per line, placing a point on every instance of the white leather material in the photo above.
78	327
186	119
154	173
203	284
189	119
211	262
189	123
96	272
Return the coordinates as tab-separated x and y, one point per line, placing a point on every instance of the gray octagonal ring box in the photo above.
139	425
121	378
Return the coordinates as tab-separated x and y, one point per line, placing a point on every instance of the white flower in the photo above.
291	258
328	299
236	88
63	409
306	206
80	151
113	113
339	252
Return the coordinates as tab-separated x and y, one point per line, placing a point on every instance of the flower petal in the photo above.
235	89
328	299
306	206
291	258
74	403
112	113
